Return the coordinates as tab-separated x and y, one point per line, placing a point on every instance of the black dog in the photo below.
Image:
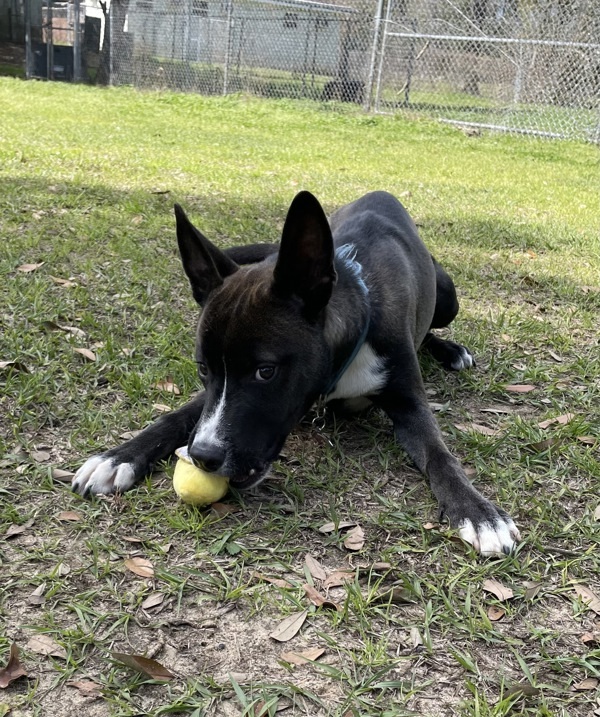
338	317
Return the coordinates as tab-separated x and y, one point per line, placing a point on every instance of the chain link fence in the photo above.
272	48
528	66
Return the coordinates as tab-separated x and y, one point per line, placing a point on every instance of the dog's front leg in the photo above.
120	468
488	528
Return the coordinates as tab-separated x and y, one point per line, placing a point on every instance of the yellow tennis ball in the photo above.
196	487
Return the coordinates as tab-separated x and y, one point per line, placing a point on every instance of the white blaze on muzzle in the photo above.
210	428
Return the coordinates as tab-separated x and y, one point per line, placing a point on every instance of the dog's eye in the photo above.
202	369
265	373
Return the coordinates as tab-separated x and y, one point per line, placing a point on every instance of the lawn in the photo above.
97	327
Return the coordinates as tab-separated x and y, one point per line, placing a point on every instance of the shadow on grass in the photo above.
75	221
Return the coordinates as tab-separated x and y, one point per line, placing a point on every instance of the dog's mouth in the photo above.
251	479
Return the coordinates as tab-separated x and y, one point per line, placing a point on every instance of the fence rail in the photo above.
532	68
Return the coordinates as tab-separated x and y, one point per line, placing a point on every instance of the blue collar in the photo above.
357	347
346	254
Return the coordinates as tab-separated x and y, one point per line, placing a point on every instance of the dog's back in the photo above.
389	248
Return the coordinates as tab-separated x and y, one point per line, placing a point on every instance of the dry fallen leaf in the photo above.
69	516
28	268
140	566
541	446
45	645
278	582
355	539
597	513
53	326
338	577
148	667
58	474
523	688
86	353
588	597
319	600
561	420
520	388
153	600
37	596
41	456
532	588
395	596
289	627
590	640
223	509
168	386
128	435
415	638
66	283
301	658
161	407
87	688
13	670
590	683
496	588
496	613
478	428
15	529
314	567
14	365
330	527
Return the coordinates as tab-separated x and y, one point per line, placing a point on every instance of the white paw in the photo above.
464	360
102	475
490	539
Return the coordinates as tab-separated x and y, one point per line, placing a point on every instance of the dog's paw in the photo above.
495	536
104	474
462	358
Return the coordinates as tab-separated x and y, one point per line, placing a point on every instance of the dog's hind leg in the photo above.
451	355
120	468
488	528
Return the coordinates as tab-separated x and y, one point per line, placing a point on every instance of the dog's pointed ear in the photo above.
205	265
305	264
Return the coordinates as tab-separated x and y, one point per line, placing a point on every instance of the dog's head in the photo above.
260	347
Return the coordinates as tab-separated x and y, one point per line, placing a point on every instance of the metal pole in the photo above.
376	33
28	47
382	54
228	48
77	41
498	40
111	39
49	43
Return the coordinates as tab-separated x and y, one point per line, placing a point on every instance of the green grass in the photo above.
88	178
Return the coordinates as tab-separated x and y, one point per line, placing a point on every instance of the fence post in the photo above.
227	48
382	54
49	42
111	45
371	75
76	41
28	48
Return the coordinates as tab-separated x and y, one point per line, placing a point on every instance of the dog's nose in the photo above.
207	456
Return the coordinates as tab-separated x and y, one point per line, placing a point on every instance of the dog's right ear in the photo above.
205	265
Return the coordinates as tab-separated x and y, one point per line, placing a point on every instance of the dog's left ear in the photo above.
305	264
205	265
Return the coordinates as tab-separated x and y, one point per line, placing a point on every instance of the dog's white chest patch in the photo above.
365	375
